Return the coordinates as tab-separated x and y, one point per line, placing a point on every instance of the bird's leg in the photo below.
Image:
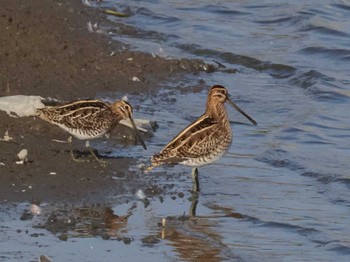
194	203
103	163
83	160
195	180
71	151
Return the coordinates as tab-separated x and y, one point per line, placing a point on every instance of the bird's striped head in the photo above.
122	109
218	93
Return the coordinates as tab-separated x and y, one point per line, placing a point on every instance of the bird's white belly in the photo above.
82	135
202	160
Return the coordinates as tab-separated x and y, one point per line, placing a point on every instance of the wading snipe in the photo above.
88	119
205	140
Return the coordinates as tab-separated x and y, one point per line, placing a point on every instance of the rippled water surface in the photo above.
282	193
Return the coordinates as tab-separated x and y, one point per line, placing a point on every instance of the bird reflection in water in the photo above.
194	237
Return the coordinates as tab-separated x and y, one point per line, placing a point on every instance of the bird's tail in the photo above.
149	168
154	163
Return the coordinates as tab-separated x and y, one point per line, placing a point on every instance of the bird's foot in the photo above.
98	160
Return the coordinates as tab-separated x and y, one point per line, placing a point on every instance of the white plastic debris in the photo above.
140	195
22	155
141	166
141	124
2	164
86	2
6	138
21	105
160	53
90	27
135	79
35	209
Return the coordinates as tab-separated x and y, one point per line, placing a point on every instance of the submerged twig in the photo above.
115	13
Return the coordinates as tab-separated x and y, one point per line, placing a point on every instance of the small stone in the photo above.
140	194
26	215
22	155
63	237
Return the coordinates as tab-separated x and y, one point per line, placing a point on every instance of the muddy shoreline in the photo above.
47	50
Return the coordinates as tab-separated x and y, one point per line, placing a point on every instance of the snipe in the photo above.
89	119
205	140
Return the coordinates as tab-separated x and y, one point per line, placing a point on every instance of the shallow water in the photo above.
282	192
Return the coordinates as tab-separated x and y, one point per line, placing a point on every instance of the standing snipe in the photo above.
205	140
88	119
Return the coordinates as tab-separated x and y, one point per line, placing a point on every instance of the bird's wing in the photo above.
84	113
188	142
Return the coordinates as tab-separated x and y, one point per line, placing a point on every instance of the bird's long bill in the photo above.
241	111
137	132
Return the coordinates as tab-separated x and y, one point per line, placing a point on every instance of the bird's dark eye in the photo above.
126	107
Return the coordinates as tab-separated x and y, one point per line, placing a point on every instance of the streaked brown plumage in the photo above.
205	140
88	119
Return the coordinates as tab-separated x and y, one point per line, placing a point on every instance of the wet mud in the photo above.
47	50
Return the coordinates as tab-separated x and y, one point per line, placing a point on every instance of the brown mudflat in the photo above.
47	50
